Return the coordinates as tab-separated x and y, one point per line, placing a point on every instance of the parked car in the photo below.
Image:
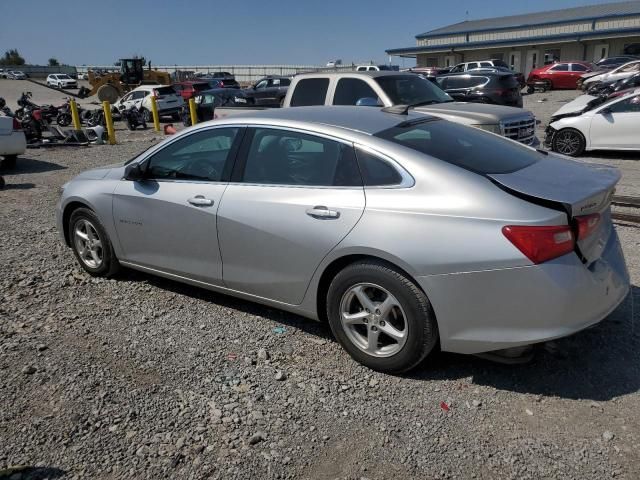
430	73
167	99
482	87
209	100
12	141
519	76
3	73
624	71
61	80
463	67
558	75
602	88
16	75
225	79
408	90
189	88
285	207
611	125
375	68
269	90
334	63
610	63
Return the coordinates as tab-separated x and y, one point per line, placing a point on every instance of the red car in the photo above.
189	88
558	75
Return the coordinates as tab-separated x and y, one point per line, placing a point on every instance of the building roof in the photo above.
587	12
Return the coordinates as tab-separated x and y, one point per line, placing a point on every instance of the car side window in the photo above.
262	84
285	82
457	68
137	95
309	92
350	90
630	68
284	157
630	105
199	156
376	172
576	67
560	67
275	82
486	64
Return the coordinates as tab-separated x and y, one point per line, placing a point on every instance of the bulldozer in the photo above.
132	74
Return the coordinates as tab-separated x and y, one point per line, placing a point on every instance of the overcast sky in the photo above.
200	32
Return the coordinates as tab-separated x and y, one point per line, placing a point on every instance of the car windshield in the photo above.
466	147
64	77
411	90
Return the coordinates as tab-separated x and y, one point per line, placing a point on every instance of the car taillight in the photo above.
587	224
16	124
541	243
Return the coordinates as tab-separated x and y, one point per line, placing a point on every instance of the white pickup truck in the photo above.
386	89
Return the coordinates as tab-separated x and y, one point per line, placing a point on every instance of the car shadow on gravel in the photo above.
18	186
281	317
599	363
613	155
31	165
32	473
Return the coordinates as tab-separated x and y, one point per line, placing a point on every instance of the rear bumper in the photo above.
13	144
170	110
491	310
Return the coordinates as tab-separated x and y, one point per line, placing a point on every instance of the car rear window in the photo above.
165	90
310	92
508	81
199	87
411	89
466	147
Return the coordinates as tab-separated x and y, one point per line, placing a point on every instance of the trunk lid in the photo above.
579	188
6	125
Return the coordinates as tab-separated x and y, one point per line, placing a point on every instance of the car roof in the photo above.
370	73
480	72
367	120
219	90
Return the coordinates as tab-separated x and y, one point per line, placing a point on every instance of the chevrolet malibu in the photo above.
400	229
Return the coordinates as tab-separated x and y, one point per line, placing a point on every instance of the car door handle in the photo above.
320	211
200	201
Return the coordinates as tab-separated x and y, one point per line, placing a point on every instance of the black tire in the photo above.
530	89
109	263
130	125
64	119
146	115
9	162
418	319
568	141
175	117
1	183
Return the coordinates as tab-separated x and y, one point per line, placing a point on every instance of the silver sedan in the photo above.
400	229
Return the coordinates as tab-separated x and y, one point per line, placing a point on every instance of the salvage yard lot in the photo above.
141	377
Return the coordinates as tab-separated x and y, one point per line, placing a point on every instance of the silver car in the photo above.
400	229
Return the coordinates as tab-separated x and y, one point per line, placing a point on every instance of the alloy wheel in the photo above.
567	143
373	320
88	244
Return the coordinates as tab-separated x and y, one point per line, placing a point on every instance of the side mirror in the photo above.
367	102
134	172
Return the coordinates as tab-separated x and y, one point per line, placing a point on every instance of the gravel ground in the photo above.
141	377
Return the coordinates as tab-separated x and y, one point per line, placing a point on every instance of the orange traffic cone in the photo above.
169	129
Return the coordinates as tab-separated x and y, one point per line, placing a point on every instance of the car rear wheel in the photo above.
91	244
146	115
568	142
381	317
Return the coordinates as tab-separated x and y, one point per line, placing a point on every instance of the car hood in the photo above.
575	106
474	113
97	173
595	73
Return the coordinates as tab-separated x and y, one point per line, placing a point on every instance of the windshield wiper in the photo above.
403	109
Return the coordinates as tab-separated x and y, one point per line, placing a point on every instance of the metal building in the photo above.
529	41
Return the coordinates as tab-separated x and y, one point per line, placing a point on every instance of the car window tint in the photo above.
630	105
285	82
262	84
310	91
630	68
469	148
199	156
561	67
376	172
284	157
350	90
576	67
486	64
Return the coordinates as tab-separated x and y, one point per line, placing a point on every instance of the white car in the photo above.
12	141
16	75
623	71
593	125
61	80
168	100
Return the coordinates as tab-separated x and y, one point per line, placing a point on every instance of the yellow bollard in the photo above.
109	121
154	111
192	111
74	114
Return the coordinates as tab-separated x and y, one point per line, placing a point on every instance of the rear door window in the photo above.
350	90
561	67
309	92
377	172
285	157
468	148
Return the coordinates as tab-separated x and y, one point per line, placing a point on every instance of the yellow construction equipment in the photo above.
110	86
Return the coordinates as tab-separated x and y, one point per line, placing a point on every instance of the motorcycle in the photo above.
33	124
49	112
64	117
134	118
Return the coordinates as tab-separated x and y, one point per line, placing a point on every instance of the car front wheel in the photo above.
568	142
381	317
91	244
146	115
